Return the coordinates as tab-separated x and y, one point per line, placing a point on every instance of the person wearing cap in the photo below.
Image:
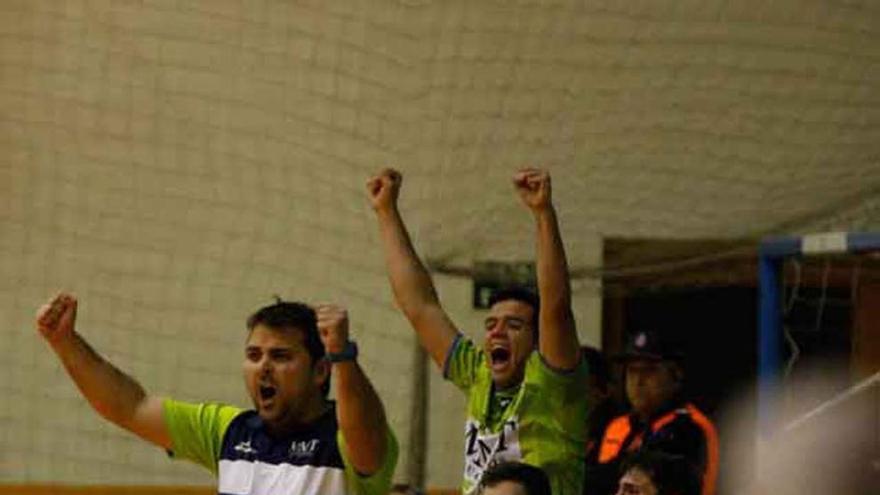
660	418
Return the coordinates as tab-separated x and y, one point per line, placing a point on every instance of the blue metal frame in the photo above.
772	254
769	337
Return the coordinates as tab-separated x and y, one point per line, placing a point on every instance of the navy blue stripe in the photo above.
321	459
247	439
862	241
449	353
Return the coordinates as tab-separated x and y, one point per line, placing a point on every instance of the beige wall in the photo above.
176	163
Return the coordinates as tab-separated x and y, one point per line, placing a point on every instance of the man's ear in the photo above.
322	371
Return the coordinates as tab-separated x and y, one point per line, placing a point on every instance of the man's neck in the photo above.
510	387
647	416
513	384
302	421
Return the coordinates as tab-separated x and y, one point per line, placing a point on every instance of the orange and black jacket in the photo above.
680	429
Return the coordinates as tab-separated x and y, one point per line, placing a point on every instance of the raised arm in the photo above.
113	394
558	342
359	411
412	286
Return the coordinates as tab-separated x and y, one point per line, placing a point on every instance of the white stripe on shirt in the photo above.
258	478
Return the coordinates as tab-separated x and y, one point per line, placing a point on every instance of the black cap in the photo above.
645	344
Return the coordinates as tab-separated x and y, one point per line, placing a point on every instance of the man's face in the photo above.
505	488
635	482
509	340
649	384
280	377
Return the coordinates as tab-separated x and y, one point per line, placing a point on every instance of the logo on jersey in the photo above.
483	448
245	448
303	448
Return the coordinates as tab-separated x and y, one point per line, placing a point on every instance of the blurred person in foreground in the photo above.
294	440
660	418
524	383
657	473
404	489
514	478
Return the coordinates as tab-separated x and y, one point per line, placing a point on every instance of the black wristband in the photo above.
348	353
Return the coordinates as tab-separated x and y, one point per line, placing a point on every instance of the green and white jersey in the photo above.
247	460
542	422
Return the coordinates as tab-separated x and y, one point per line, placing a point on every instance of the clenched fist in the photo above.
57	318
384	188
332	327
533	186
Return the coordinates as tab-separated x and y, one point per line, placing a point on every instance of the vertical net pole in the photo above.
769	338
418	431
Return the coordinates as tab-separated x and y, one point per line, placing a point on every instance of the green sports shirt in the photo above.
542	422
235	445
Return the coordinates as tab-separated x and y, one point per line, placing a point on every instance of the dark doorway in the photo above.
715	327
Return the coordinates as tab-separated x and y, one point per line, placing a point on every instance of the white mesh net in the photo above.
175	163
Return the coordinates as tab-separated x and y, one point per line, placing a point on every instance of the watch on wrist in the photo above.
348	353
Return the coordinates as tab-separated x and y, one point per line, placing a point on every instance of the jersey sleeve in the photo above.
462	363
197	430
567	386
379	483
564	395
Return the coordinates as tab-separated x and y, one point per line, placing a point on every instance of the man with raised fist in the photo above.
524	386
294	440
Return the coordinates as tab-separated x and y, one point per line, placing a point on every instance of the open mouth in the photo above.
499	356
267	392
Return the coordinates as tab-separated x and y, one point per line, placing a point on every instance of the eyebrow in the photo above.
270	349
506	318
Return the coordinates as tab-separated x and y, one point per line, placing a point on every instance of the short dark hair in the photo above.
671	474
292	315
405	488
531	478
521	294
